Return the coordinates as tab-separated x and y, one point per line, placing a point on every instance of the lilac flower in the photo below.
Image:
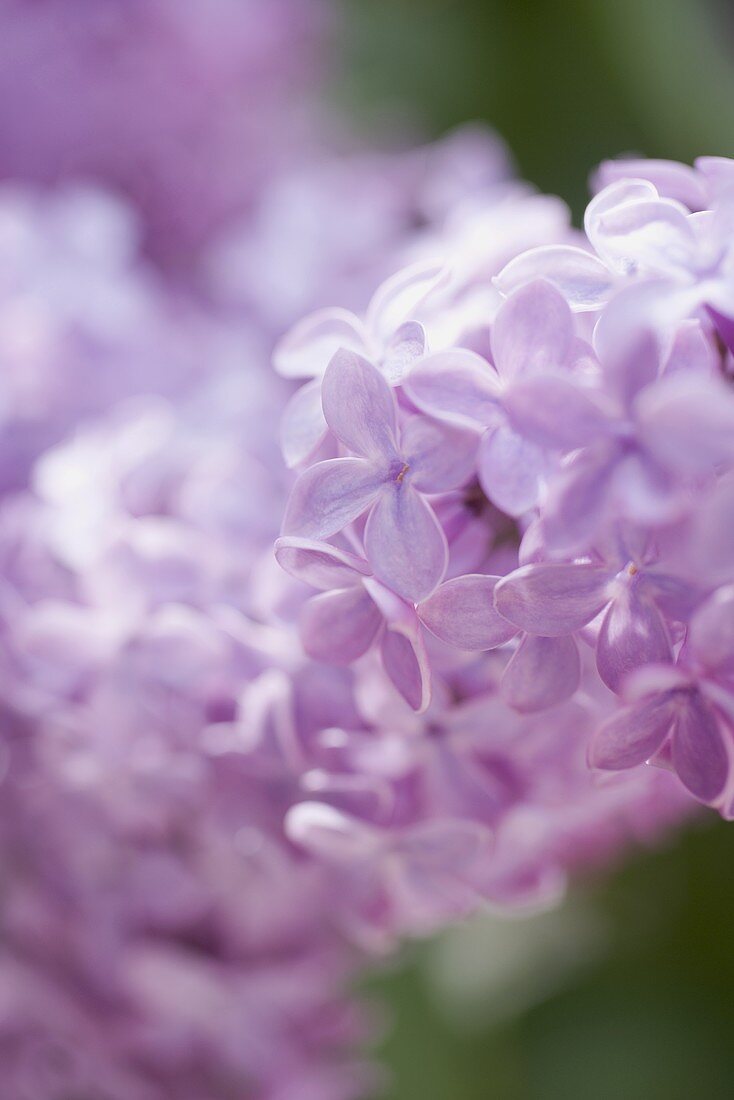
658	439
186	897
532	337
387	473
637	235
556	599
421	875
388	336
683	716
354	612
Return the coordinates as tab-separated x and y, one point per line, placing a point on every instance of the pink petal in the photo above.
699	755
533	330
329	495
440	457
632	735
541	673
306	350
405	544
359	406
510	469
462	613
552	598
581	278
458	386
319	564
302	427
338	627
632	634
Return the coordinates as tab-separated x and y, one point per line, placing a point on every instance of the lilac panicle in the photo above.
227	781
596	388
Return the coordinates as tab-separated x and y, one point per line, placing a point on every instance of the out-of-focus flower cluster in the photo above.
206	827
184	106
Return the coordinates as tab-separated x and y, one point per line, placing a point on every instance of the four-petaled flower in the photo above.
386	474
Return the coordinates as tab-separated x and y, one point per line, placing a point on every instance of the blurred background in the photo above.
625	993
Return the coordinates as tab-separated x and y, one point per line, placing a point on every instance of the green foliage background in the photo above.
568	82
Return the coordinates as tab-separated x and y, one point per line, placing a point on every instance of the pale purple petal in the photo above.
338	627
456	385
405	544
405	662
717	171
440	457
724	323
510	469
699	754
359	406
675	598
406	346
711	633
306	350
401	296
447	845
583	280
302	426
655	680
319	564
632	735
462	613
688	423
693	352
711	546
556	412
552	598
626	347
632	634
533	330
626	190
644	492
331	834
329	495
670	179
578	499
649	234
541	673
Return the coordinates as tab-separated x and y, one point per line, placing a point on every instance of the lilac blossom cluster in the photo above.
204	831
540	492
208	827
